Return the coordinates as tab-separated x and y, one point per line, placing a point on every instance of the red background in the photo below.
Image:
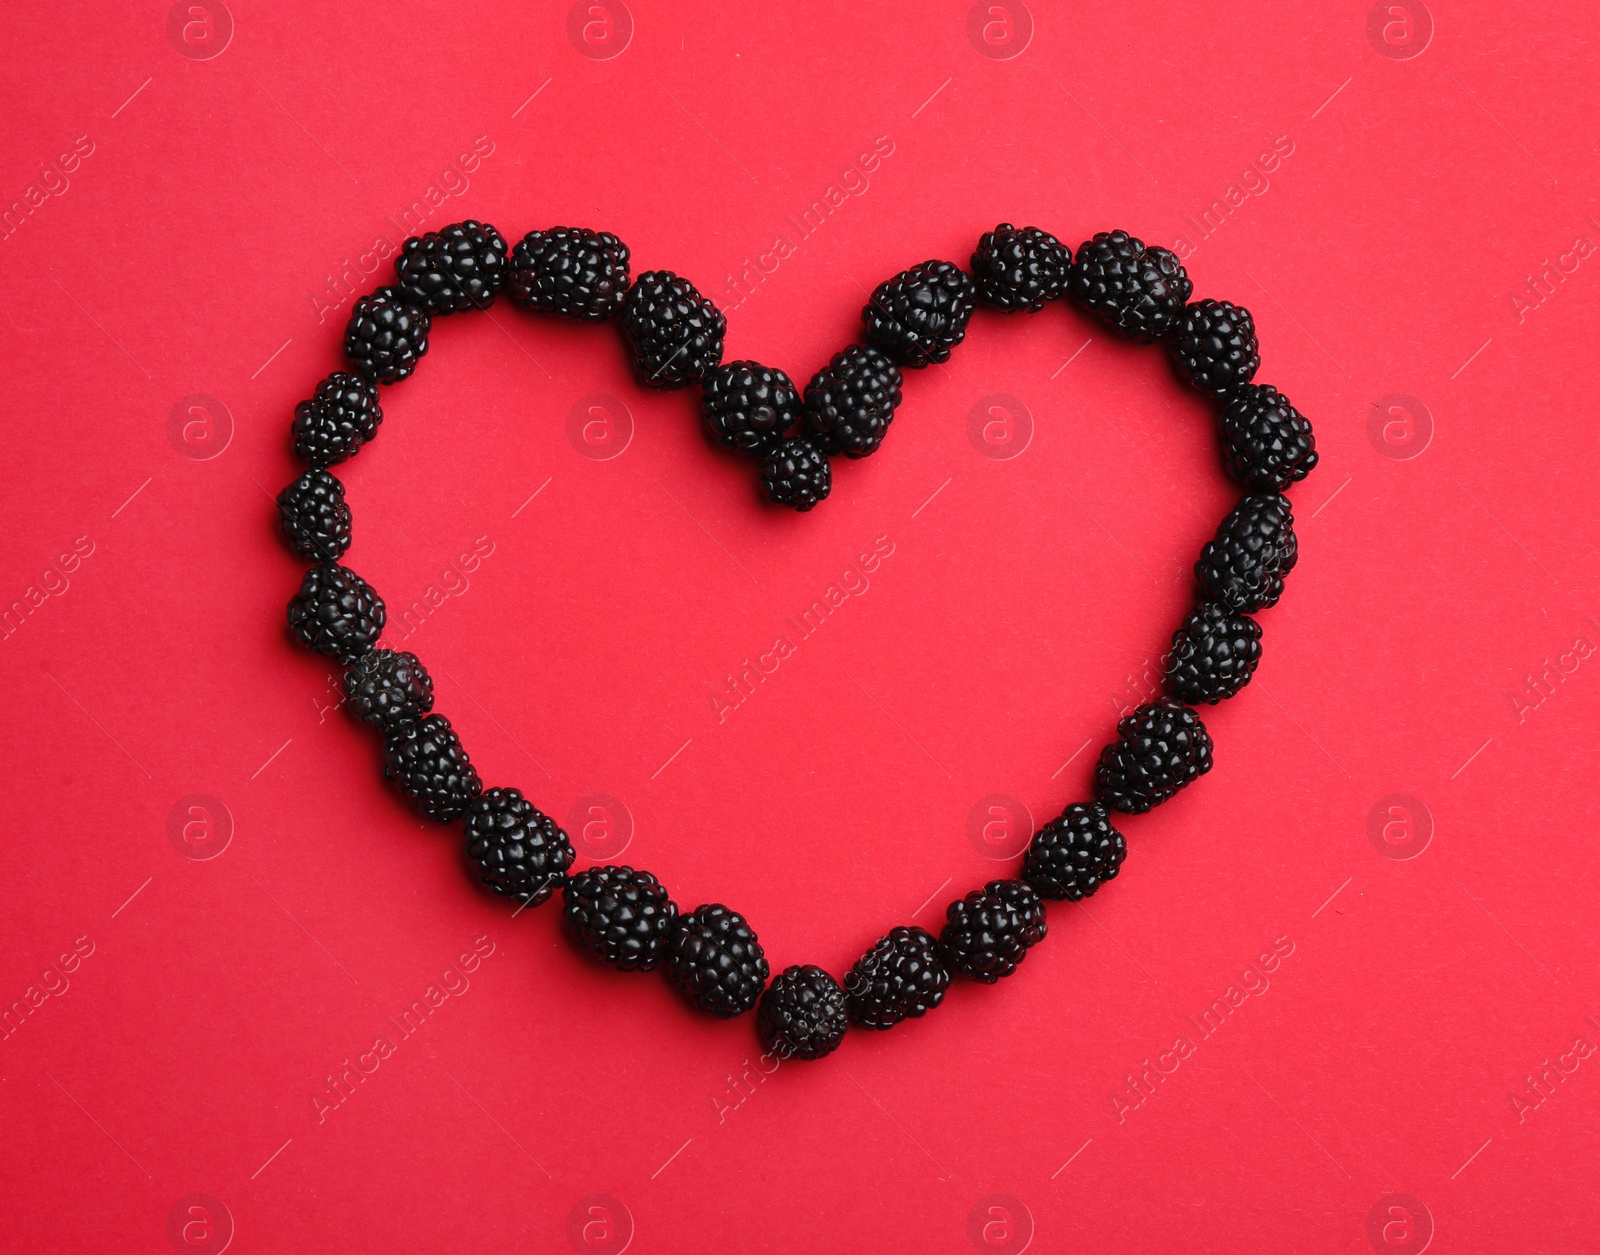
1393	251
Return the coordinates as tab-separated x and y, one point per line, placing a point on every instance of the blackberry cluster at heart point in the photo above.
803	1014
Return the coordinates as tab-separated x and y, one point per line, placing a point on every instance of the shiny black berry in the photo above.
796	473
921	314
1213	655
314	518
1242	567
748	407
902	976
342	416
388	687
425	761
336	613
851	401
1214	346
1074	854
1139	291
571	271
674	333
456	268
515	848
623	915
386	335
1018	269
803	1014
989	932
1160	748
714	959
1268	443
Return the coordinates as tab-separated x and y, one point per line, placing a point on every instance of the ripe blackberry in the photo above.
989	931
746	406
336	613
921	314
802	1014
1020	268
1138	290
314	518
623	915
517	849
674	333
902	975
425	759
713	957
571	271
1074	854
1214	346
1213	656
341	417
851	401
796	473
1267	441
456	268
386	335
1243	566
1160	748
388	687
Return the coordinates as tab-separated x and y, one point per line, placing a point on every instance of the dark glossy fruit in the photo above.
989	932
314	518
1213	656
1136	289
388	687
386	336
1243	566
802	1014
342	416
748	407
1160	748
921	314
571	271
796	473
1214	346
456	268
336	613
850	402
1017	269
714	959
426	761
1074	854
623	915
902	976
516	848
1268	443
674	333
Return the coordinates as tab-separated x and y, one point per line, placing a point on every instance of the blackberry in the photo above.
1074	854
1268	443
386	335
1160	748
796	473
921	314
571	271
336	613
851	401
341	417
623	915
746	406
1213	656
802	1014
1243	566
1214	346
388	687
903	975
456	268
516	848
990	931
1020	268
674	333
425	759
713	957
314	518
1138	290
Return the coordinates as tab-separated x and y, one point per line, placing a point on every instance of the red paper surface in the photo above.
1386	884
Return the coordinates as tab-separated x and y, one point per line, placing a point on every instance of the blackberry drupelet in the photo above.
571	271
425	759
803	1014
713	957
1074	854
851	401
1214	346
902	976
1243	566
748	407
341	417
456	268
1138	290
674	333
989	931
1268	443
1018	269
1213	655
921	314
314	518
623	915
796	473
336	613
517	849
1160	748
388	687
386	335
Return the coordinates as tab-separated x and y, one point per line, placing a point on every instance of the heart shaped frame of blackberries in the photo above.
674	336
